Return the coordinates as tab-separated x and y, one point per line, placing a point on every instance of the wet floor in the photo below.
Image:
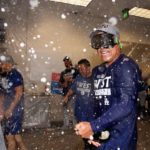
58	139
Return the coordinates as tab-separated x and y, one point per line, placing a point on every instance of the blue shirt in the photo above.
13	80
115	94
84	100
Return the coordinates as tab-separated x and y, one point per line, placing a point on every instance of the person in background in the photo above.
67	77
142	101
81	87
148	99
116	85
13	104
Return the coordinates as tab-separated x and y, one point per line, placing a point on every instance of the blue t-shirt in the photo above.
13	80
84	99
115	95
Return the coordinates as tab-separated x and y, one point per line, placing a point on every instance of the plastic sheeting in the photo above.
40	111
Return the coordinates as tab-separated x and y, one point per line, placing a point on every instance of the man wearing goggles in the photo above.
116	85
106	42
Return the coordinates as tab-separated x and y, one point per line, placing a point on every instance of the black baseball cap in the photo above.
66	58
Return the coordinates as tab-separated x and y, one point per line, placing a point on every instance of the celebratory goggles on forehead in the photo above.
103	40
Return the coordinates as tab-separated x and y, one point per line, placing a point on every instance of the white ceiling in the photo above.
134	29
99	8
114	8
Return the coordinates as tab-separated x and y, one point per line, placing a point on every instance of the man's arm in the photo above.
69	93
108	119
17	97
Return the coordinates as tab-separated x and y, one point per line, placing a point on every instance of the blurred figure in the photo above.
13	104
67	77
141	104
2	92
148	99
116	86
142	110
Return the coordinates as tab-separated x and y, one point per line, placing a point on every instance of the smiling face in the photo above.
109	55
6	67
84	70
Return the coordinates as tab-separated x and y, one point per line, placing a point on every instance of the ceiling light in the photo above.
140	12
74	2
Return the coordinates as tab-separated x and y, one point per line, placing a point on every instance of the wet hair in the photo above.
85	62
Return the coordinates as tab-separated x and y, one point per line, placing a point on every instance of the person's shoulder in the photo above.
127	59
126	66
63	71
73	68
15	71
127	62
15	75
99	67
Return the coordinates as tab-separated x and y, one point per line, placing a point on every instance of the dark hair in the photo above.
66	58
85	62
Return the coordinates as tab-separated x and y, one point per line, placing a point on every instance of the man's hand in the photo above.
97	144
68	78
84	129
65	99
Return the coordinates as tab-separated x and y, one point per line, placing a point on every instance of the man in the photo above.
81	87
67	77
13	104
116	84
